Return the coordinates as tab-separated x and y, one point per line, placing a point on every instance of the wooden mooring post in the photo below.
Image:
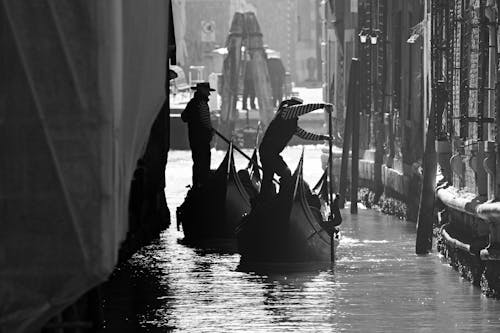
355	136
231	72
353	85
426	214
258	65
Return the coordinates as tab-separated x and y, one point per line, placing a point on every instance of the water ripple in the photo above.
378	284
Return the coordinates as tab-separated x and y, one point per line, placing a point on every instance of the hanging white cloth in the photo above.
84	82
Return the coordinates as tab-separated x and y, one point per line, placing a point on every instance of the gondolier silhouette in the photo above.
278	134
197	116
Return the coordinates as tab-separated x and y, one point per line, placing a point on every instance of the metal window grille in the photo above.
460	62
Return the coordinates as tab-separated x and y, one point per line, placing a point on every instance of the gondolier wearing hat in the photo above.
200	131
278	134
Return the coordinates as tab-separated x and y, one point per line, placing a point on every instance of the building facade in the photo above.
391	86
288	26
465	57
429	72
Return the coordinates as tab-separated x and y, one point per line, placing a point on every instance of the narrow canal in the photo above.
377	284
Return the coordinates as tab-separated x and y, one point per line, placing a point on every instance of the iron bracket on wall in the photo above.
475	119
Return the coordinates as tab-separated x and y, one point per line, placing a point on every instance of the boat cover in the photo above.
81	84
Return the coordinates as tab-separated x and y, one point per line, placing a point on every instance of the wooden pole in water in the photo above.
330	182
231	74
258	67
426	215
347	136
355	137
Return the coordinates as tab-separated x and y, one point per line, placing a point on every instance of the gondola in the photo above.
290	229
209	214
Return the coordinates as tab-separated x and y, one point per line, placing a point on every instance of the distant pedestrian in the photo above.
248	87
278	133
277	75
197	115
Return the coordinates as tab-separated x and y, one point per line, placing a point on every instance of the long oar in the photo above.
330	183
241	152
237	149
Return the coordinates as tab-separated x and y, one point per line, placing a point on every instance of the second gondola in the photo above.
209	214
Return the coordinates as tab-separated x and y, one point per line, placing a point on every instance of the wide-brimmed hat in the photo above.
205	85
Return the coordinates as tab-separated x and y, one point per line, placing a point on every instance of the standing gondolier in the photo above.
197	115
278	134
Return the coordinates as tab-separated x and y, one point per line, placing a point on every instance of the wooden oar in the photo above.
237	149
330	183
242	152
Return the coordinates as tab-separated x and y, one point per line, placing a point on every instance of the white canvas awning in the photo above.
82	82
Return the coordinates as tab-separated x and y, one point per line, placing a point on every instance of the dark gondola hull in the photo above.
287	229
211	212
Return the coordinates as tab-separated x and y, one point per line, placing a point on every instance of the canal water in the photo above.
377	284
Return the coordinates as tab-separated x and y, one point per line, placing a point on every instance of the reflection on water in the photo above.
377	284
